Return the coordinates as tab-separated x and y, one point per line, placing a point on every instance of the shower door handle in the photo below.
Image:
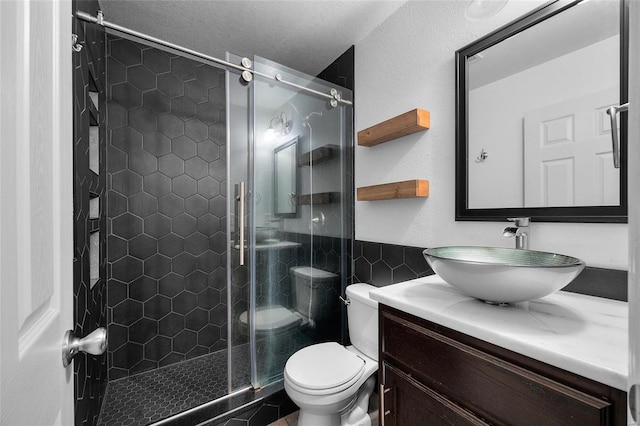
613	112
241	198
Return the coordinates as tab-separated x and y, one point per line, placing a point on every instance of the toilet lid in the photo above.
323	366
271	318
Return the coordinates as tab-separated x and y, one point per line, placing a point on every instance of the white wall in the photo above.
408	62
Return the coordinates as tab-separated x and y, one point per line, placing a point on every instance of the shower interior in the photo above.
185	313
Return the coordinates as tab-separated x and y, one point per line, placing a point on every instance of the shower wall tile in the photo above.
90	296
342	72
164	178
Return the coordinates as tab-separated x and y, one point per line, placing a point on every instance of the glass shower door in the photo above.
298	205
239	261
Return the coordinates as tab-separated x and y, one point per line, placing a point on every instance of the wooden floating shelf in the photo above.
318	155
405	124
391	191
318	198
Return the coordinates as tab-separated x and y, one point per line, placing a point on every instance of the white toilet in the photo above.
316	293
331	383
316	297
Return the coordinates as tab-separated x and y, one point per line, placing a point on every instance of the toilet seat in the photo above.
323	369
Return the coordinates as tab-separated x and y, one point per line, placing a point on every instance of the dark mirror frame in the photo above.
294	144
611	214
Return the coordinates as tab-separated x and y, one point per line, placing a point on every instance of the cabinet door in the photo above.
406	402
493	388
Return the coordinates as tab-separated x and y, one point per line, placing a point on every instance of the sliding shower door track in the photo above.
181	418
333	96
223	408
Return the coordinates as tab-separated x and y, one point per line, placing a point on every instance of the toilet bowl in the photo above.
331	383
315	298
271	320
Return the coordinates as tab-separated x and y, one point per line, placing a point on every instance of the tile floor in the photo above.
290	420
151	396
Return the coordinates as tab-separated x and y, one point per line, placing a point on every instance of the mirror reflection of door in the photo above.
285	164
567	153
554	69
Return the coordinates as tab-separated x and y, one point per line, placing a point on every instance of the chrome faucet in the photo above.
519	230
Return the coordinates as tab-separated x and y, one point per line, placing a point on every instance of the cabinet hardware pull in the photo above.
383	412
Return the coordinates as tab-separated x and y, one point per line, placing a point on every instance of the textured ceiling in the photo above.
306	35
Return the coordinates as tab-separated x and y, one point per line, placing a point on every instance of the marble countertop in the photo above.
585	335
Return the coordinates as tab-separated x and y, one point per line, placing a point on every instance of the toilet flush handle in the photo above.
346	301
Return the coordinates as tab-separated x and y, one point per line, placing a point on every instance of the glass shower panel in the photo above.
299	218
239	214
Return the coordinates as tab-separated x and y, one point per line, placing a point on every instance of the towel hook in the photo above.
75	45
483	156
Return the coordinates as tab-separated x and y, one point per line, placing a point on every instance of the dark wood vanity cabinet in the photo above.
432	375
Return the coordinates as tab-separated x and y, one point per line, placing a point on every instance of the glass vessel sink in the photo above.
503	275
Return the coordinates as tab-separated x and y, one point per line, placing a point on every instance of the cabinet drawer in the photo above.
494	389
408	402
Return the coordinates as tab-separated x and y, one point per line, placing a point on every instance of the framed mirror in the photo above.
532	134
285	166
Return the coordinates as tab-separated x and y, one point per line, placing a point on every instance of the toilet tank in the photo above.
362	318
316	292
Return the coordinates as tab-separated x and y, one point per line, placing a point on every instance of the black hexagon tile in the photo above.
127	139
125	52
143	204
157	144
170	85
156	60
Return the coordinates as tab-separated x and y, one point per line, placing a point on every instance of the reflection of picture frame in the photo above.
285	179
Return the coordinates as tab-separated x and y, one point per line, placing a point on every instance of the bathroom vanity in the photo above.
446	358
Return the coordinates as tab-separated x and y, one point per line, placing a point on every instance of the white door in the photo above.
633	159
567	154
36	209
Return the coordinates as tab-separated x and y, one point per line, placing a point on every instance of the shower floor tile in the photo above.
151	396
154	395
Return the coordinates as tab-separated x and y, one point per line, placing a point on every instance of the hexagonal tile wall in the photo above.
165	209
382	264
90	296
173	108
